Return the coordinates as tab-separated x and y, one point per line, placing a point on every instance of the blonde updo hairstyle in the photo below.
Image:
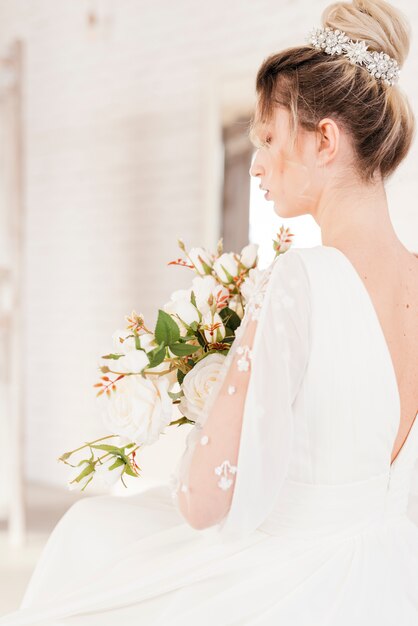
311	85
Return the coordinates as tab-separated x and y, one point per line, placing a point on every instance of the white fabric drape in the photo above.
252	427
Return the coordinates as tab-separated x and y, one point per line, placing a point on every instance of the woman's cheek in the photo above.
296	185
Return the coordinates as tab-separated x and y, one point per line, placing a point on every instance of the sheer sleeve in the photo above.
235	460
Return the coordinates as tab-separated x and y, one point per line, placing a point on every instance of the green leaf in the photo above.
181	420
228	275
105	446
112	356
129	470
230	318
137	342
116	464
166	329
86	471
187	338
180	376
193	299
124	457
207	268
156	356
183	349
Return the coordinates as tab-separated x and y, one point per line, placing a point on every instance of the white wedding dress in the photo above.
317	532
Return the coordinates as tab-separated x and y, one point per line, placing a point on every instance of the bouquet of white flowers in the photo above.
176	364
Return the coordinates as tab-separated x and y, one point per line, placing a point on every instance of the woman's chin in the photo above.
279	209
282	209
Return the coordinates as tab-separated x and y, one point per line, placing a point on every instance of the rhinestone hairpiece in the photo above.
379	64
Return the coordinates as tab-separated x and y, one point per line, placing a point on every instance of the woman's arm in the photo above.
237	454
206	499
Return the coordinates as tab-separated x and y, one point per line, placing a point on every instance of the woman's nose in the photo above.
256	169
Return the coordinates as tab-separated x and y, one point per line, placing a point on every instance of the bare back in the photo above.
392	283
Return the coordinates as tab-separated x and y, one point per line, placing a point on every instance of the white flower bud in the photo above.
235	305
206	286
226	262
106	475
249	255
214	328
194	255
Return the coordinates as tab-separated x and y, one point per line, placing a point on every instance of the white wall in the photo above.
121	130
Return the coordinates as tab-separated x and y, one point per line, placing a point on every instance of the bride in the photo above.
289	503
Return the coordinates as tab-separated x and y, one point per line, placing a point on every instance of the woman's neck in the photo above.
356	217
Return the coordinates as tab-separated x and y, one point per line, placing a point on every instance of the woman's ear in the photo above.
328	139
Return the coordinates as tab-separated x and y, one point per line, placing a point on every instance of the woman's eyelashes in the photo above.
259	143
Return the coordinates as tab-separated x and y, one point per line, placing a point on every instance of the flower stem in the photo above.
66	455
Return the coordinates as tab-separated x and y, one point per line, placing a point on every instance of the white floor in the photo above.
45	507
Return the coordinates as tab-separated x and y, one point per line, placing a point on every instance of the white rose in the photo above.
194	255
206	286
122	342
249	255
139	409
76	471
106	475
212	334
250	284
197	384
132	363
227	261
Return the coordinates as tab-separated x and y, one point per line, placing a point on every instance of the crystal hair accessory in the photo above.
379	64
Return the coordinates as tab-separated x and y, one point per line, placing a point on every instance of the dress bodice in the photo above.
346	412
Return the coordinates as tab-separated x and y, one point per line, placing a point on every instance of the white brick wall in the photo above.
121	139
